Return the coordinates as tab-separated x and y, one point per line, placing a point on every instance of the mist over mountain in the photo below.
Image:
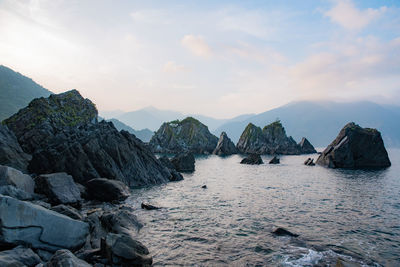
320	121
16	91
144	134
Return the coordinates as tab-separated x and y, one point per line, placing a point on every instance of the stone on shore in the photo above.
184	162
252	159
121	221
68	211
25	223
107	190
274	160
175	176
355	148
11	176
19	256
65	258
225	146
14	192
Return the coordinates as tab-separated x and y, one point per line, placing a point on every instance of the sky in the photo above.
217	58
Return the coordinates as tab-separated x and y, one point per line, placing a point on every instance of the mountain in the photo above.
144	135
321	121
17	91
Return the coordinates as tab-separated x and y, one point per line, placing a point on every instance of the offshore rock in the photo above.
355	148
182	136
306	147
225	146
25	223
279	231
11	176
309	162
274	160
175	176
271	140
184	162
252	159
11	153
107	190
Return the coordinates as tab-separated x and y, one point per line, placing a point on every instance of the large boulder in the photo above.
121	221
306	147
184	162
123	250
274	160
225	146
272	139
19	256
252	159
107	190
12	191
11	154
355	148
11	176
175	175
65	258
68	211
182	136
60	188
63	135
26	223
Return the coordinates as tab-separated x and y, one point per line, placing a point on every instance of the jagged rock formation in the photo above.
225	146
252	159
355	148
11	153
188	135
306	147
63	135
10	176
184	162
271	140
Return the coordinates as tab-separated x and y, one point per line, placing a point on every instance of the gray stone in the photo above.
252	159
25	223
65	258
274	160
225	146
19	256
121	221
107	190
60	188
279	231
309	162
12	191
68	211
11	176
184	162
306	147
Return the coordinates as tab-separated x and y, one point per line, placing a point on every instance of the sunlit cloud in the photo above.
197	45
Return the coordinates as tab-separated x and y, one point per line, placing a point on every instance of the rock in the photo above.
166	162
355	148
270	140
306	147
252	159
124	250
11	176
65	258
148	206
63	135
274	160
60	188
283	232
188	135
309	162
204	187
26	223
107	190
19	256
121	221
345	263
68	211
175	176
225	146
12	191
184	162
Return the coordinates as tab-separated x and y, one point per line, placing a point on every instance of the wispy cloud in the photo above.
172	66
197	45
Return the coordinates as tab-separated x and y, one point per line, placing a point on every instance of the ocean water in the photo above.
348	214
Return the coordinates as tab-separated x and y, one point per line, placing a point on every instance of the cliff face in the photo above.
355	148
63	135
272	139
182	136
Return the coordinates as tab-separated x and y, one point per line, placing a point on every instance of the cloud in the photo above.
346	14
172	66
197	45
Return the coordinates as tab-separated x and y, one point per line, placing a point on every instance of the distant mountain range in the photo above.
144	135
17	91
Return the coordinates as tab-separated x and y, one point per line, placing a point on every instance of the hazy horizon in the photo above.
216	59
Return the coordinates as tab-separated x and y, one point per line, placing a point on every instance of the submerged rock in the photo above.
309	162
279	231
148	206
225	146
107	190
355	148
274	160
252	159
184	162
306	147
19	256
182	136
25	223
65	258
11	153
11	176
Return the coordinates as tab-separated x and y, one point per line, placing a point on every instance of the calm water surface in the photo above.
350	214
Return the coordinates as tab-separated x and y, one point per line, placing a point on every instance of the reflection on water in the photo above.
347	213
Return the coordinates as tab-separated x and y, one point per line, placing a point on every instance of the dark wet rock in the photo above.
309	162
11	154
274	160
175	176
107	190
279	231
11	176
41	203
345	263
270	140
59	188
148	206
306	147
19	256
68	211
355	148
123	250
166	162
44	254
121	221
97	231
25	223
225	146
184	162
63	135
65	258
252	159
204	187
182	136
12	191
82	190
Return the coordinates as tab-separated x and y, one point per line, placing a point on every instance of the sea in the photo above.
351	216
